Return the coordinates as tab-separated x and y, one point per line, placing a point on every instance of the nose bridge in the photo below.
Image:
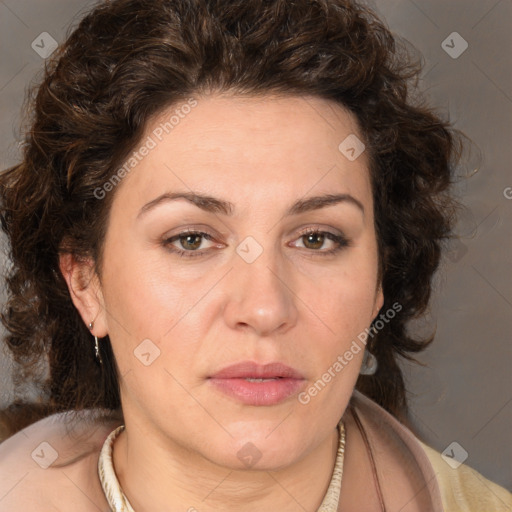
259	295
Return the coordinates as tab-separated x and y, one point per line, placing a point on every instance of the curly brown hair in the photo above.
127	61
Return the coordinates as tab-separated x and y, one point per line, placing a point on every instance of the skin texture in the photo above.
293	304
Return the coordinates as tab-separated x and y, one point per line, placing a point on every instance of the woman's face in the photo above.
248	284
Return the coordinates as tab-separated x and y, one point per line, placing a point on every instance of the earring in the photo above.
96	346
370	364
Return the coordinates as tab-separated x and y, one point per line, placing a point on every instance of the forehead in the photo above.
251	147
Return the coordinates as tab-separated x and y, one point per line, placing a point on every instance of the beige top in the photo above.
49	466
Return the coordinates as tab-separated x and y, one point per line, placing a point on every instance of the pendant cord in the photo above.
370	456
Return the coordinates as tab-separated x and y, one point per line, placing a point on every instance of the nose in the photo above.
260	297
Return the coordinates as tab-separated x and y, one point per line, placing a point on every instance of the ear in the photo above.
379	301
85	290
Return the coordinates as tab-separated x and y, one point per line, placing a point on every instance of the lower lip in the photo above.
269	392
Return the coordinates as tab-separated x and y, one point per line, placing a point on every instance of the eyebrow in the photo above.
214	205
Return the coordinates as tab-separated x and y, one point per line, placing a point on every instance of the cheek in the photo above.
154	309
346	319
347	295
142	289
345	305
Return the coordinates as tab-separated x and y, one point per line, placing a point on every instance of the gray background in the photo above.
464	393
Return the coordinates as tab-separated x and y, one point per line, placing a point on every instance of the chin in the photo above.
258	453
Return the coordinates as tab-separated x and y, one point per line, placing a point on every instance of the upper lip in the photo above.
250	369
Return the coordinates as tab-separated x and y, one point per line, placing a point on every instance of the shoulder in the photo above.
51	465
463	489
459	489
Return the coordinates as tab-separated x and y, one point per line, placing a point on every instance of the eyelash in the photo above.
340	240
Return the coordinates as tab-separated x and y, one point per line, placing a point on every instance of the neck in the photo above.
157	475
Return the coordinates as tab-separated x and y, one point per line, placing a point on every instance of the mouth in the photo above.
251	370
258	385
251	379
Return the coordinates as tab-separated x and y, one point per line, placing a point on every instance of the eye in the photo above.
189	241
314	239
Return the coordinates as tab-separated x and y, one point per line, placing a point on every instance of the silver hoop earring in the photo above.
96	346
370	364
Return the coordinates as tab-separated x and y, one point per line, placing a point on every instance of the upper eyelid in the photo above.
306	230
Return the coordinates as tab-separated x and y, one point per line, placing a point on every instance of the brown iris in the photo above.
192	241
316	239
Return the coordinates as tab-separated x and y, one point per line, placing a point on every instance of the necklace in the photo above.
118	502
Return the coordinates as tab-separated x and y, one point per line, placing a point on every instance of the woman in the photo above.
226	214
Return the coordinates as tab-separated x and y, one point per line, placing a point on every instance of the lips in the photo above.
248	369
259	385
